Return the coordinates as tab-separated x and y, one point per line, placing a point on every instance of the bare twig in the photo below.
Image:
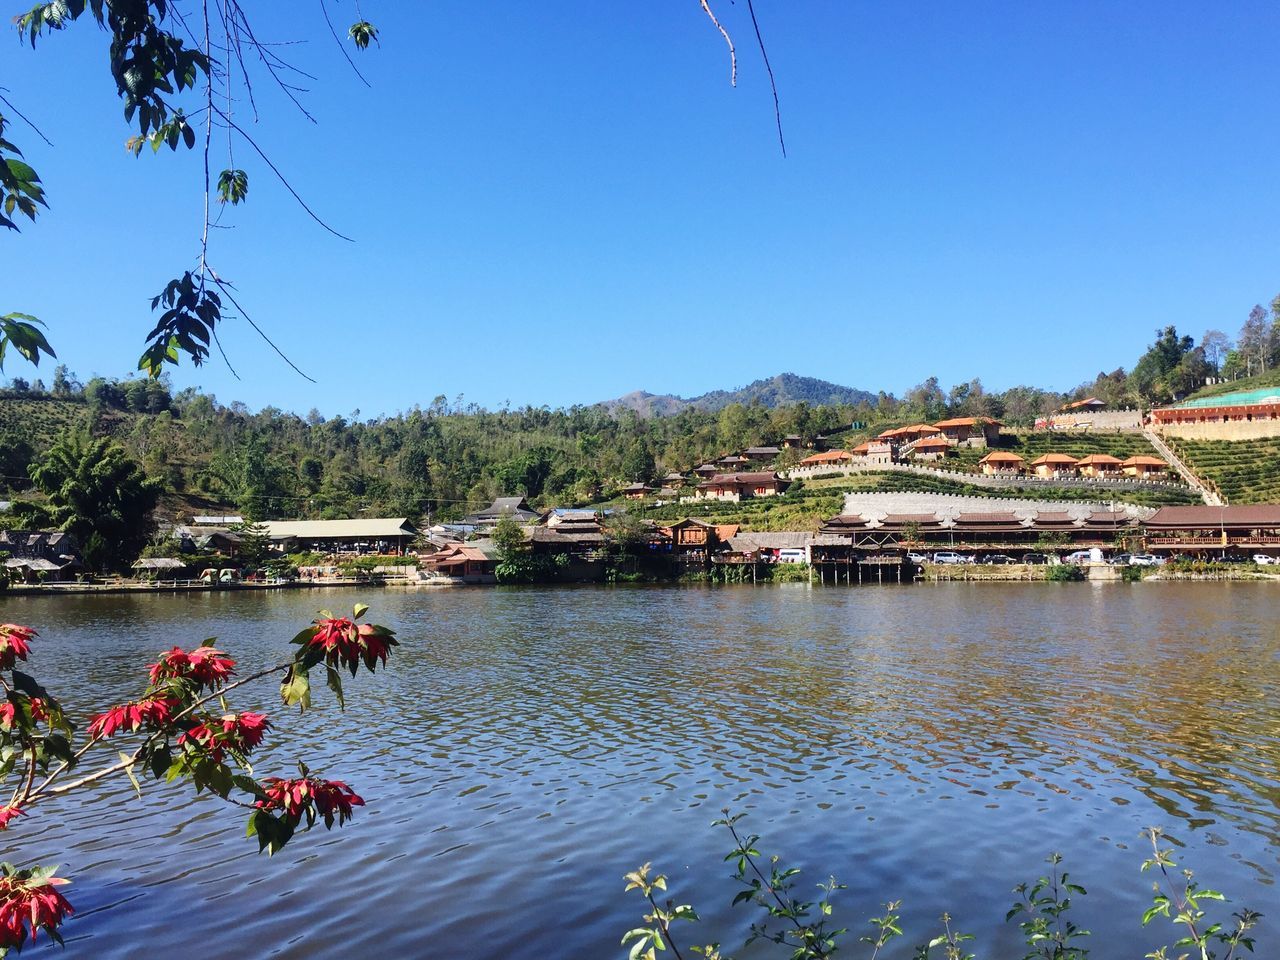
267	160
336	39
226	290
773	85
23	117
733	54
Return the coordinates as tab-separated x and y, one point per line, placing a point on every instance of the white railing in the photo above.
985	480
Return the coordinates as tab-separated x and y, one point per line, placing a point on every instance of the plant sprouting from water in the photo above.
1043	910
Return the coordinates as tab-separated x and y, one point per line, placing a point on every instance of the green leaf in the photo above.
128	769
334	679
295	689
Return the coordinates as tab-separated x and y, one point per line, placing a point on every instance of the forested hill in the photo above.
448	459
443	459
780	391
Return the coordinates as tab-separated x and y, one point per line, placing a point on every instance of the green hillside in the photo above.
1269	379
1242	471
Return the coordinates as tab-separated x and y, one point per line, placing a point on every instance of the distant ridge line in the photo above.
785	389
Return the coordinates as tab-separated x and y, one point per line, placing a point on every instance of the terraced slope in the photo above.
817	499
1074	443
1242	471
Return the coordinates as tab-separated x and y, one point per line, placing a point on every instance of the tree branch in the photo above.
733	54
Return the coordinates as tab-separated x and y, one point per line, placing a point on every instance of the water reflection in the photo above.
930	743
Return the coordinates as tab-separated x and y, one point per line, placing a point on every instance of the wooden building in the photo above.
467	564
742	486
1054	465
372	536
1002	463
637	491
1100	466
1211	531
695	541
833	458
931	448
970	431
1145	468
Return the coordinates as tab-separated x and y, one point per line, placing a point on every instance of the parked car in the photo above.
1263	560
998	558
792	555
1080	556
947	556
1145	560
1121	559
918	557
1036	558
1235	558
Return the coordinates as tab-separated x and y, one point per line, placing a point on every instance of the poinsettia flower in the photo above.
330	798
8	713
240	733
152	713
345	643
249	728
205	666
8	813
29	905
15	642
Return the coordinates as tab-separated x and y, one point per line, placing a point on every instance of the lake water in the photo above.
527	747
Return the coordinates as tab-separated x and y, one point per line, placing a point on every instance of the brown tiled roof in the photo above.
861	449
1087	402
987	519
845	521
720	479
1099	460
1053	458
1144	462
899	520
1266	515
1047	518
1108	518
932	443
827	456
1002	456
965	422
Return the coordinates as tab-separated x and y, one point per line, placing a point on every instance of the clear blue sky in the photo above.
559	203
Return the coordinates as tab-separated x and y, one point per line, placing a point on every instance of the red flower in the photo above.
239	733
329	797
39	712
15	641
7	814
8	713
151	713
27	904
204	665
343	642
249	728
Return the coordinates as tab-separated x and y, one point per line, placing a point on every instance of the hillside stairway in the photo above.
1209	497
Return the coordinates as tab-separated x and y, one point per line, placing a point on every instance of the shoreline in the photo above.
929	574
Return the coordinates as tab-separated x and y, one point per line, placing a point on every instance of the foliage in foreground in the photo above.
1042	910
188	734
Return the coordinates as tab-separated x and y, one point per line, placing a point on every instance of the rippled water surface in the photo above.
927	743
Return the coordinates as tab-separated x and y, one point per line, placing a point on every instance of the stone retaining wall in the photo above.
1230	430
981	480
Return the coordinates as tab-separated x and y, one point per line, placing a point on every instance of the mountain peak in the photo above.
781	390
